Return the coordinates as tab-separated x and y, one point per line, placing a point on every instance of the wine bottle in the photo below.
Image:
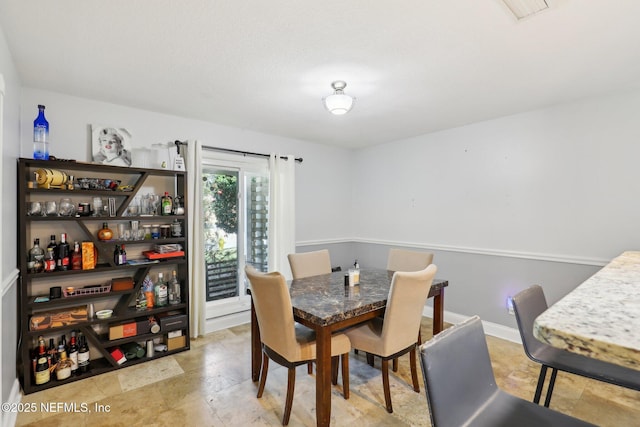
161	292
42	373
76	257
52	353
36	257
116	255
174	289
73	352
123	255
83	356
63	342
41	136
64	254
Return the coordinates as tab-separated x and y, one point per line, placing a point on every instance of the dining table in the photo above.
600	318
325	304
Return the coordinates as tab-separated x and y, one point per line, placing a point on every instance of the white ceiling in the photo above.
414	66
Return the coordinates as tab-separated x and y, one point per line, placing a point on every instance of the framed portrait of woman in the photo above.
111	145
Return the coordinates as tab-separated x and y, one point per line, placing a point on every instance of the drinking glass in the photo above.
50	208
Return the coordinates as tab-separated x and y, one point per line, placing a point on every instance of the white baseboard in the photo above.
228	321
490	328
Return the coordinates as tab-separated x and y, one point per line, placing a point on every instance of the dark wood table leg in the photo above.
438	312
323	377
256	348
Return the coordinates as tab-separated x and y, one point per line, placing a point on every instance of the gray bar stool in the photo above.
531	303
461	388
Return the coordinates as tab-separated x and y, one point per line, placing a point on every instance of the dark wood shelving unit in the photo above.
124	305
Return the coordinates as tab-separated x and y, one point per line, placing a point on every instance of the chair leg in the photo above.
345	375
263	374
395	365
334	370
309	368
552	382
370	359
414	372
291	385
541	377
385	385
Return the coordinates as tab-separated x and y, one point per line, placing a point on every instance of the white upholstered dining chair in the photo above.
406	260
395	334
306	264
283	341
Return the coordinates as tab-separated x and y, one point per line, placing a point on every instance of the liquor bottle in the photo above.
51	256
166	204
76	257
123	255
73	353
36	258
116	255
83	356
147	286
174	289
161	292
63	370
49	261
52	353
141	300
42	373
105	233
62	351
41	136
64	254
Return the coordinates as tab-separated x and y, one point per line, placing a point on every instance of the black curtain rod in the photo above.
229	150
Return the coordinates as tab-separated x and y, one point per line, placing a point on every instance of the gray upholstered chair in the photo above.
395	334
283	341
306	264
405	260
528	305
461	388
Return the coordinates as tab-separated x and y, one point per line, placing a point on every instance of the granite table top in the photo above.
601	317
324	300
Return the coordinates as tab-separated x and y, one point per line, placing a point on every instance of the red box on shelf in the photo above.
156	255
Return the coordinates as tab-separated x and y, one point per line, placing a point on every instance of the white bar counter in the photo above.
601	317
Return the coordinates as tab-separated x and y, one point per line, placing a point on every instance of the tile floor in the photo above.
210	385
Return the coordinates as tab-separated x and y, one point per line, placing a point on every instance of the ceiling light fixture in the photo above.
339	102
524	8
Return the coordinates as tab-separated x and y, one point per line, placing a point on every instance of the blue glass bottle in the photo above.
41	136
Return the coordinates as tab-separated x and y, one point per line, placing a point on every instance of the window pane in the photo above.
257	214
220	210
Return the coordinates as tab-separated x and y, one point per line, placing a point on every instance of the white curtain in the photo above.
197	272
282	216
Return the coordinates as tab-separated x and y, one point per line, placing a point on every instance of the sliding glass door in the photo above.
235	212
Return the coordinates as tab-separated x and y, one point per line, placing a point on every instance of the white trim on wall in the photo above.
567	259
